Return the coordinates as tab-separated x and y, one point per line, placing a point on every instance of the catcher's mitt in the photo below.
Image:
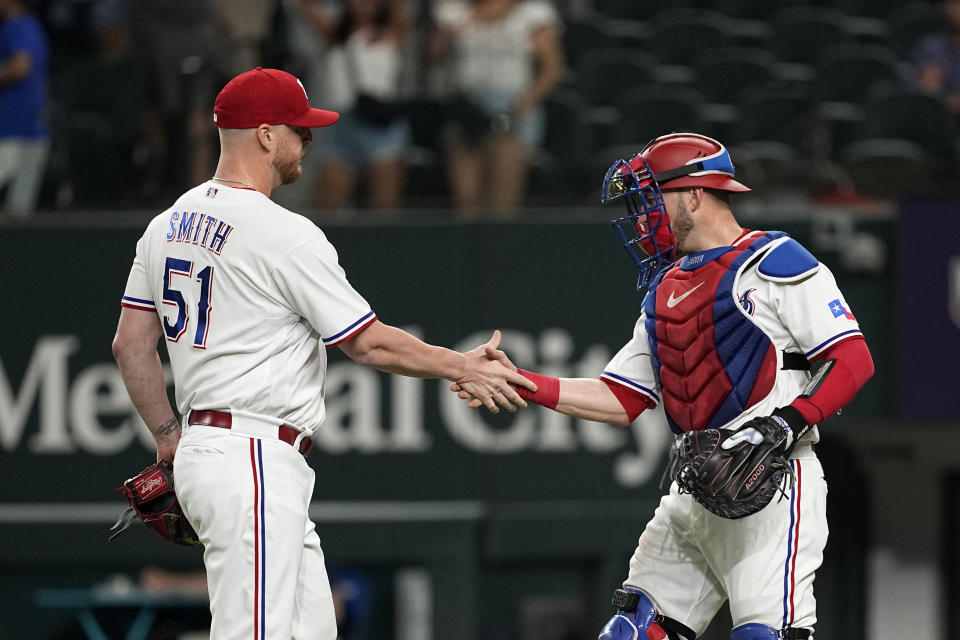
734	473
152	500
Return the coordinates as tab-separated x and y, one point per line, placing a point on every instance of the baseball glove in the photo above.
152	500
734	473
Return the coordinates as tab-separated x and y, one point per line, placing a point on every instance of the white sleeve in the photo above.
632	366
138	294
450	14
814	312
312	281
539	13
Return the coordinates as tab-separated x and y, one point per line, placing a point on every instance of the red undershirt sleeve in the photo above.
852	367
633	402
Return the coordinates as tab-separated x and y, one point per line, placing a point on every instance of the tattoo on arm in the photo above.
168	427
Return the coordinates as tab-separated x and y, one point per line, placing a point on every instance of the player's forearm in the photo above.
142	375
590	399
393	350
135	350
585	398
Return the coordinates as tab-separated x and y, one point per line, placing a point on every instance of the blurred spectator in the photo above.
352	598
361	74
352	602
246	25
504	58
937	58
85	29
176	44
24	133
158	579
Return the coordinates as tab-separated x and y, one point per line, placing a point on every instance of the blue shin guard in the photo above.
632	620
638	619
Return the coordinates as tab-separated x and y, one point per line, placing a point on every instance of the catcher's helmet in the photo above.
673	161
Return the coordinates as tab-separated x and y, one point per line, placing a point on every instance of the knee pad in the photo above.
638	619
757	631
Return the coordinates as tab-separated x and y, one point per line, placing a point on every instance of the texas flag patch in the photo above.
840	311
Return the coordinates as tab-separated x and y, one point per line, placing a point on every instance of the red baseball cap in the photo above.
267	96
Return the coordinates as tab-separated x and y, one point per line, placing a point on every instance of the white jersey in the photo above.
707	320
248	294
785	292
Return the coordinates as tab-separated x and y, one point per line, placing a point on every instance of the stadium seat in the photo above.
726	73
95	108
766	165
756	9
633	10
847	72
678	36
556	166
887	168
911	23
605	74
778	113
580	37
626	33
424	157
801	33
904	112
867	8
648	112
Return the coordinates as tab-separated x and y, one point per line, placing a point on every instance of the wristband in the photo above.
547	393
791	418
794	422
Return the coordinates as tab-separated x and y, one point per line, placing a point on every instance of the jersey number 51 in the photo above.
175	328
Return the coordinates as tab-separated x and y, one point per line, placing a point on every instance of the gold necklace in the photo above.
246	184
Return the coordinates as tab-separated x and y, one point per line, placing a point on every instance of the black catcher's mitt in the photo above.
152	500
734	473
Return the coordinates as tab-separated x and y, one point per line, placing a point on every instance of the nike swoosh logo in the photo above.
672	302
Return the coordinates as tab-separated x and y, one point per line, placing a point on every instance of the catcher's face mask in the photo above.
645	231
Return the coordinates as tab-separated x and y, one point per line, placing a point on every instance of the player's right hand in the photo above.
491	378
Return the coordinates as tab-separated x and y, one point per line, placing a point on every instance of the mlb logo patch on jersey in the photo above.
839	310
211	192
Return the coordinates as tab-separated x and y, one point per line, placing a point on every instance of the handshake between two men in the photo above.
497	381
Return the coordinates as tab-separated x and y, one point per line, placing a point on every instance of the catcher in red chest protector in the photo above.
749	344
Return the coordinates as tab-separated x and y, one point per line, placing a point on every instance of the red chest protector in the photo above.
712	361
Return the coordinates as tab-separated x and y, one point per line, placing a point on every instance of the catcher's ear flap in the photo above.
126	519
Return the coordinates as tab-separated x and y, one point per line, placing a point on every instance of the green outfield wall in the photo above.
498	509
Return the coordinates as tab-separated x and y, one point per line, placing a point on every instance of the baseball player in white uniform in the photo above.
729	332
247	297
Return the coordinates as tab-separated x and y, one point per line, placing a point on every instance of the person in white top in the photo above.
360	75
737	327
248	296
503	58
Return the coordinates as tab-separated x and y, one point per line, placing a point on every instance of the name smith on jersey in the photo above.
199	229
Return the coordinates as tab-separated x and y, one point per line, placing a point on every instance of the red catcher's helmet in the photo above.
673	161
680	160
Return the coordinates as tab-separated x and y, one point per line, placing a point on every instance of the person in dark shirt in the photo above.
24	134
936	58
